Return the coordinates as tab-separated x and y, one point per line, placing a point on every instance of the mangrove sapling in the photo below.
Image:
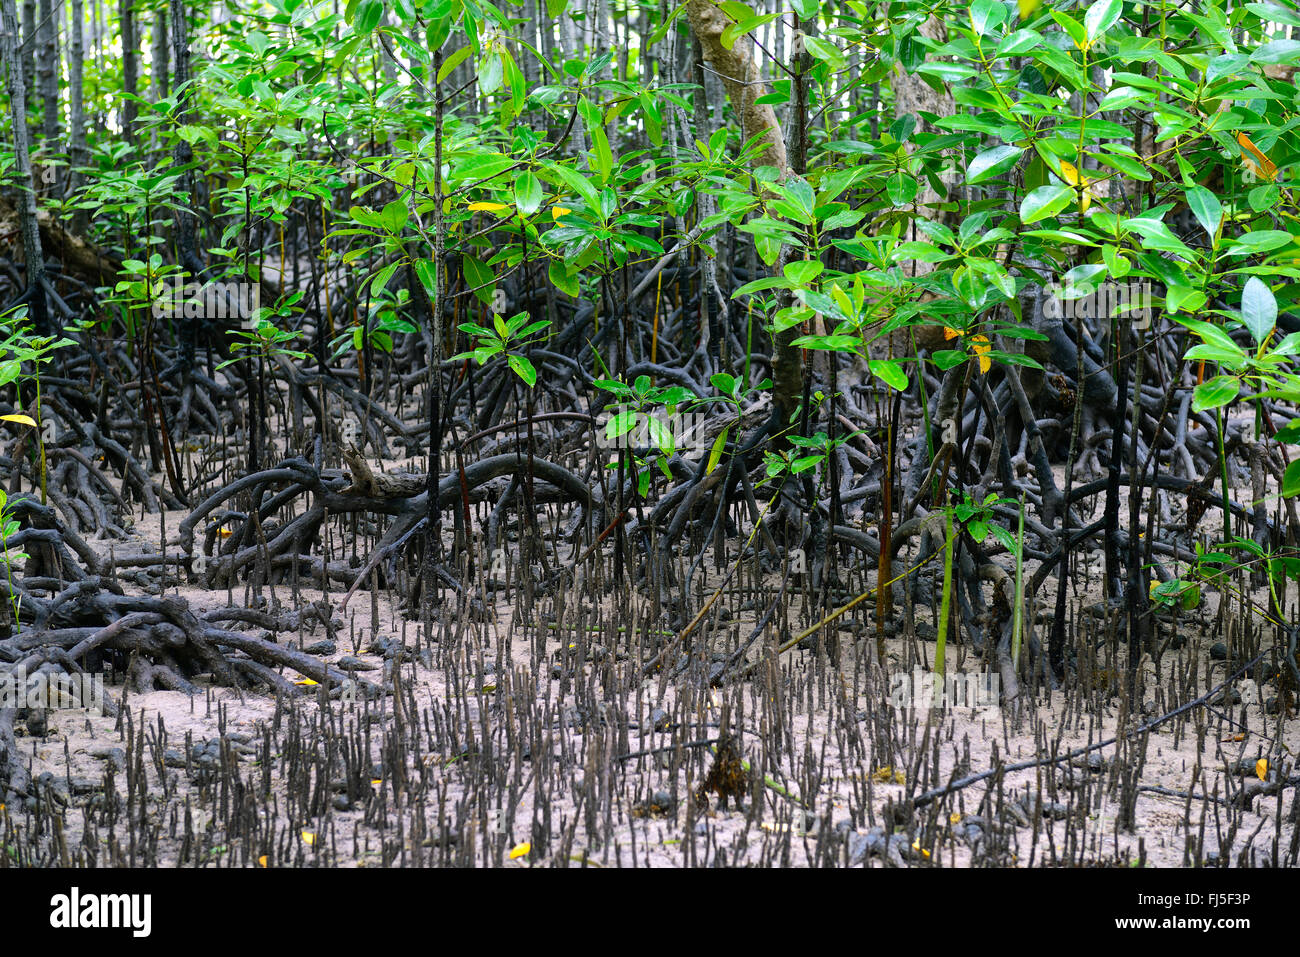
20	346
8	529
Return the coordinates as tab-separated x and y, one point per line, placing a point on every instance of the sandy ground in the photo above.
817	741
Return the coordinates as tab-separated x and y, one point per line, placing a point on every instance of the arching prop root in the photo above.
256	543
157	642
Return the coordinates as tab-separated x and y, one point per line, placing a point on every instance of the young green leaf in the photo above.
1258	309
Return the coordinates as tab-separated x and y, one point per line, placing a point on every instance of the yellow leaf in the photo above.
1252	157
261	861
1071	175
1261	768
1027	7
20	419
520	850
954	818
951	333
308	837
916	846
715	454
377	781
887	775
558	211
980	344
306	681
488	207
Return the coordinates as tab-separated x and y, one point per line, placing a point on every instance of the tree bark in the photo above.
16	87
743	83
78	154
160	55
740	76
913	95
48	83
130	68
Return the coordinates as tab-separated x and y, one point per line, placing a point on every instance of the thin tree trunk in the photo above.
912	95
433	518
16	87
186	222
160	55
744	86
130	67
79	156
29	40
48	83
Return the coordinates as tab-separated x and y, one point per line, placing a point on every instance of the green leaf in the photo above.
427	272
1183	299
992	163
479	277
1291	479
1215	392
1277	51
558	273
523	368
660	434
837	343
576	182
822	303
828	53
889	372
1289	433
1258	309
600	147
1233	359
1260	241
528	193
368	19
724	382
1206	208
1212	335
986	15
947	359
1101	16
453	61
902	188
803	271
1044	202
620	424
715	454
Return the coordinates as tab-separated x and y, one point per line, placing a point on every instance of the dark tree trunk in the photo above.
79	156
16	87
130	67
